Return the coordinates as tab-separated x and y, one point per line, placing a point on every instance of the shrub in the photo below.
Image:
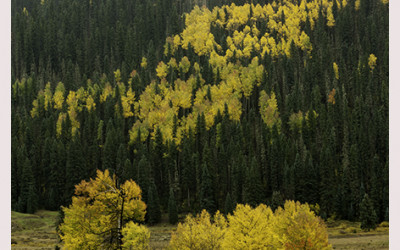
135	236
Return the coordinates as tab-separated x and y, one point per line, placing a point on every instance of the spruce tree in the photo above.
28	199
253	191
172	209
153	205
207	200
229	205
367	214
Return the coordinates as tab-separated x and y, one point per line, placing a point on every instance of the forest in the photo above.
209	103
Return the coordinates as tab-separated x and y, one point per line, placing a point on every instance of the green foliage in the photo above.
172	208
367	214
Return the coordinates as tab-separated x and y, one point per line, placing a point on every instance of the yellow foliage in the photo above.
199	233
372	61
90	104
58	97
299	228
184	65
295	121
336	70
250	229
357	4
385	1
61	119
331	96
37	104
107	90
330	18
47	96
97	211
117	75
135	236
143	64
162	70
293	227
126	102
269	109
172	64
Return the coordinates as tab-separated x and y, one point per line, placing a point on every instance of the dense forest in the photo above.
203	103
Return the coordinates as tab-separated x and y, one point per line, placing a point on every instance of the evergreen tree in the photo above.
153	205
253	191
207	200
28	199
172	209
367	214
229	205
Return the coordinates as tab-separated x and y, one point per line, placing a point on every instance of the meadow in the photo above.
38	231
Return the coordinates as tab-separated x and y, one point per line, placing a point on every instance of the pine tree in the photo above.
143	176
153	205
253	191
207	200
172	209
229	205
367	214
28	199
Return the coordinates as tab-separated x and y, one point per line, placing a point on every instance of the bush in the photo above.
351	230
135	236
384	224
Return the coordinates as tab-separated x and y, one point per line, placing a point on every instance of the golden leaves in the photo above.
95	212
143	64
331	96
269	109
336	70
135	236
294	227
372	61
162	70
357	4
199	232
58	97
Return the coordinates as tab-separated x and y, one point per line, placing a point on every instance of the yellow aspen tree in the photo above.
47	96
299	228
99	208
143	64
250	228
162	70
357	4
372	61
58	97
199	233
336	70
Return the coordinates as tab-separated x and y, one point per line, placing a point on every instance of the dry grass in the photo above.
34	231
348	235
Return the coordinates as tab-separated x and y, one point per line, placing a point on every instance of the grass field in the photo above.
34	231
37	231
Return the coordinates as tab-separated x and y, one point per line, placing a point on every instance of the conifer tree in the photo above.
207	200
172	209
253	191
153	205
28	199
229	205
367	214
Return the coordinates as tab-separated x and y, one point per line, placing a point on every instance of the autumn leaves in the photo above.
294	226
